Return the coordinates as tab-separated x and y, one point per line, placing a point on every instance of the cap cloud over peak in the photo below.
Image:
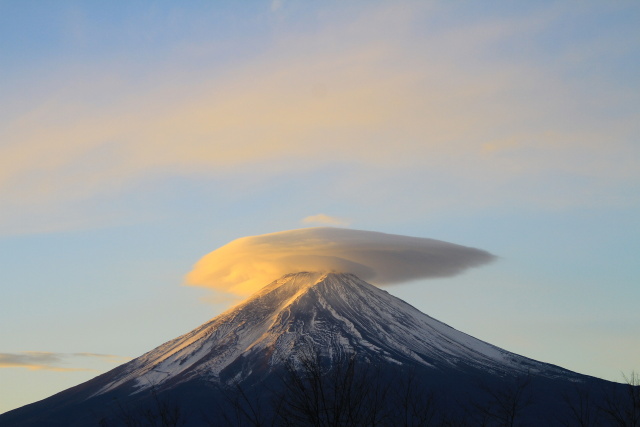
247	264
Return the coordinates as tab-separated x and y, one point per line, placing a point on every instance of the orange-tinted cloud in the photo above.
351	92
324	219
247	264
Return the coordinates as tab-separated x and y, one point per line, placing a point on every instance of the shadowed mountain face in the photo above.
256	346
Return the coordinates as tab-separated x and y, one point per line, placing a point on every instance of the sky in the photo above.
137	137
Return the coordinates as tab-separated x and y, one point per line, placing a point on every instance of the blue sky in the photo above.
135	138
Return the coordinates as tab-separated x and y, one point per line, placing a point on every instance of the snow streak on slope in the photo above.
337	313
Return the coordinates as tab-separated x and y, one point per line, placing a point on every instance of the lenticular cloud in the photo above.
247	264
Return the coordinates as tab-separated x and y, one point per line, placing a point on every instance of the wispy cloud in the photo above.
436	104
38	360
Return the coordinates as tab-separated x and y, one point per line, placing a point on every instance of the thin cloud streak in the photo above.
40	360
110	358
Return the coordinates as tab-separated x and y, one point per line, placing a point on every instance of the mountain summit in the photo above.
337	313
250	346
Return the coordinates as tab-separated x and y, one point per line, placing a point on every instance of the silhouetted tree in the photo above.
349	391
413	404
622	407
502	403
582	408
159	412
237	408
340	393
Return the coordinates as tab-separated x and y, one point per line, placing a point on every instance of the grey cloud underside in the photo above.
30	359
397	265
384	258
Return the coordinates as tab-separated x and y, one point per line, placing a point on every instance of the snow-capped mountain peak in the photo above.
336	313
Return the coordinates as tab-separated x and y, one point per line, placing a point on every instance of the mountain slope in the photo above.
338	314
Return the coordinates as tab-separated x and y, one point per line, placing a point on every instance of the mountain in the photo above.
340	313
255	347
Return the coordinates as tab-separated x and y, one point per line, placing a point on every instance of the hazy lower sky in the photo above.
137	137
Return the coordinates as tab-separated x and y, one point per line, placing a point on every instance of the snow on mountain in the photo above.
336	313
